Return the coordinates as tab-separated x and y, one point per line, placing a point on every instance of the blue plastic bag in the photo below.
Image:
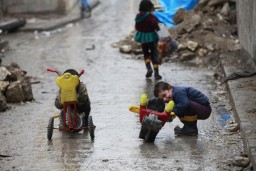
170	7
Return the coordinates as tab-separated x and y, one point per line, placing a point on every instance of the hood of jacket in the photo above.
141	16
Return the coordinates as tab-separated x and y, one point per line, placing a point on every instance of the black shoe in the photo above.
149	73
185	131
158	77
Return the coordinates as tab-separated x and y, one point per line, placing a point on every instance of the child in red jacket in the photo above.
147	27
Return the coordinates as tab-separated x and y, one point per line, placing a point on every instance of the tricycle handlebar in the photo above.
81	73
56	71
53	70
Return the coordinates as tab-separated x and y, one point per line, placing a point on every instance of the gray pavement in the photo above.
242	91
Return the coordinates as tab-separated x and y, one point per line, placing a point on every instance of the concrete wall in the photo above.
39	6
246	14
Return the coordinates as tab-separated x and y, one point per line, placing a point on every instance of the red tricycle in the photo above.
151	120
71	119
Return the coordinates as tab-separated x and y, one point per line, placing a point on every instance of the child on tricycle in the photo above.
74	103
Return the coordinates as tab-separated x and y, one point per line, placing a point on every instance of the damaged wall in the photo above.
246	12
39	6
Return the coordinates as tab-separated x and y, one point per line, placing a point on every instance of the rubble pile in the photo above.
207	30
15	86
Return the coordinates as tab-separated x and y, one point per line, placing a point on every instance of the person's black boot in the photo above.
157	76
188	129
149	70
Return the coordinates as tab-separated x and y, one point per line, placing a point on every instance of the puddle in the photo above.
224	115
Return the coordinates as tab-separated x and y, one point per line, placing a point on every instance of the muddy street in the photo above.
115	81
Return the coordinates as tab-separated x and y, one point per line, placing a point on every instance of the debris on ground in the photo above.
206	31
241	161
15	86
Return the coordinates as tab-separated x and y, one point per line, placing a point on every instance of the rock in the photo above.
187	56
16	72
192	45
217	2
182	47
179	16
202	52
14	93
190	24
201	4
137	51
3	85
4	73
241	161
210	47
225	9
126	49
3	103
27	89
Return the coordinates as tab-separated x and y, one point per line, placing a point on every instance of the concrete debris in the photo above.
4	73
15	86
241	161
209	27
192	45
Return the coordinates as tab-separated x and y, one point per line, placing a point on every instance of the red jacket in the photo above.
148	24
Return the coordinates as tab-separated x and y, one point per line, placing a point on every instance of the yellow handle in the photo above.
169	107
135	109
143	99
56	116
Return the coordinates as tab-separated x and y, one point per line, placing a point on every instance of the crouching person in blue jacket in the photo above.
190	105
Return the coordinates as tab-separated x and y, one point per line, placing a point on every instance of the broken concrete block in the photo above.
192	45
3	103
3	85
4	73
14	93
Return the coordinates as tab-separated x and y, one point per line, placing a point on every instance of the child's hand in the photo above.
172	115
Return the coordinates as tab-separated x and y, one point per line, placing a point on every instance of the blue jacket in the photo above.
182	95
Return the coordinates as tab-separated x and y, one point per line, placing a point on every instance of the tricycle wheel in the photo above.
150	127
150	136
91	127
143	131
50	128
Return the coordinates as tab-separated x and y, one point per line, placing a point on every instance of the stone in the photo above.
14	93
126	49
3	103
192	45
4	73
190	24
241	161
202	52
225	9
27	89
187	56
3	85
179	16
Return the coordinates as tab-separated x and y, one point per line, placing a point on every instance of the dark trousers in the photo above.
201	111
150	51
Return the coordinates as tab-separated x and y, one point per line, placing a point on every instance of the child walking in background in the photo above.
147	26
85	8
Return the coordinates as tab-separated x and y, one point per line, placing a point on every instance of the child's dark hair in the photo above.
161	86
71	71
146	5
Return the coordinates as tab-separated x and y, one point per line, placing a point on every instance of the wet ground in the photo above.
114	81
